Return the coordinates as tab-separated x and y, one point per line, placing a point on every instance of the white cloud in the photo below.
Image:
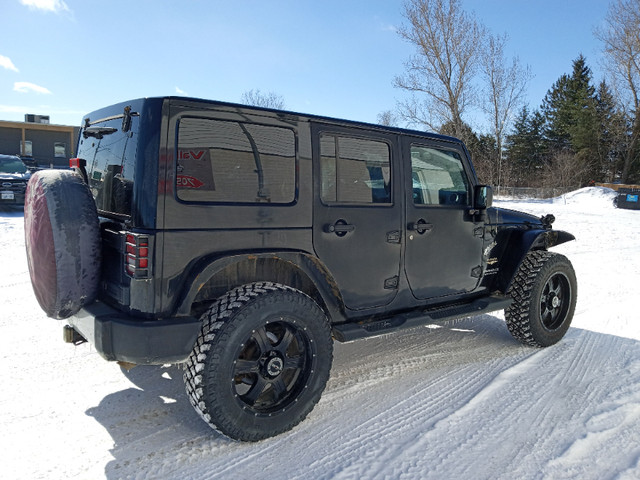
5	62
179	91
27	87
55	6
385	26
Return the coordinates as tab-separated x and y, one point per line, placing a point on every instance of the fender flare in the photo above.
520	245
306	264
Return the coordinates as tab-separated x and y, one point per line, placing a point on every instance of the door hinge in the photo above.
476	272
393	237
391	283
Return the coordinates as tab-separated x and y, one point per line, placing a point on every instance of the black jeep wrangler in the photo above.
242	241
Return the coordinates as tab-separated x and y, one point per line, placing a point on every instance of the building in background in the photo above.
39	143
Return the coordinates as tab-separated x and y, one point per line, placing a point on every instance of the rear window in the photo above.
109	148
234	162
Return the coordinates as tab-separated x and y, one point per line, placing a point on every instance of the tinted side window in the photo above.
233	162
438	177
354	170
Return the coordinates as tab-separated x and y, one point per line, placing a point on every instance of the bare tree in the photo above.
388	118
565	170
620	35
266	100
505	86
447	42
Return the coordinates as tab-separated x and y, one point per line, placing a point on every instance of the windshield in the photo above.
109	148
12	165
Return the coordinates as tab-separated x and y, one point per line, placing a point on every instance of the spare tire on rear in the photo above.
62	236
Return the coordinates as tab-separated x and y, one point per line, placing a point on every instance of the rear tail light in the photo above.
137	258
77	163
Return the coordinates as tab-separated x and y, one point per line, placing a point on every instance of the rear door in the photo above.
444	245
358	212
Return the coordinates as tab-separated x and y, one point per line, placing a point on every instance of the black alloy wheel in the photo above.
261	361
272	366
555	301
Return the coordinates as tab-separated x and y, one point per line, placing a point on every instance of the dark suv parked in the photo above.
241	241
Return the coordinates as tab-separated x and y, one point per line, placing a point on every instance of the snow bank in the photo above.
600	196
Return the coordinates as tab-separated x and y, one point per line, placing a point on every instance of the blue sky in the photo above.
335	57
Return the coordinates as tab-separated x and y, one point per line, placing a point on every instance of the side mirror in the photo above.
483	197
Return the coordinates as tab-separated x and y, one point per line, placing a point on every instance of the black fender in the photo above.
521	242
312	274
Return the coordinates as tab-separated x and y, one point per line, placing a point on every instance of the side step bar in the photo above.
347	332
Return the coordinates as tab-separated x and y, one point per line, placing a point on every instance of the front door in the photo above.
443	244
358	212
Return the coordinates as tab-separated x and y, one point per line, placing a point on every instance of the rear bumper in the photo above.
119	337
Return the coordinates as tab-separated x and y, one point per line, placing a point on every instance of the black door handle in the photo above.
421	226
340	228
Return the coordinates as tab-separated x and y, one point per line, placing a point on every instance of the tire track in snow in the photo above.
393	429
432	388
610	426
372	442
401	443
478	428
527	390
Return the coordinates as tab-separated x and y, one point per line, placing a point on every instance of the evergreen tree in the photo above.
487	169
526	148
483	151
583	108
463	132
612	134
557	113
571	119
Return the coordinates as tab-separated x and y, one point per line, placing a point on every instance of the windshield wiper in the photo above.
98	132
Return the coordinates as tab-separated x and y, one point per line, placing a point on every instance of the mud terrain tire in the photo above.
62	237
261	362
544	291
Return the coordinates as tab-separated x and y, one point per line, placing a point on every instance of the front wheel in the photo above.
544	292
261	362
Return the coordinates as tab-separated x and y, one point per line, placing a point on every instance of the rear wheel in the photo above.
544	293
261	362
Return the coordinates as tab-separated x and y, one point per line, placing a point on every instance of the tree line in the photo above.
581	133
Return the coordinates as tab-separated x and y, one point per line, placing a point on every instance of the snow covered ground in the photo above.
461	400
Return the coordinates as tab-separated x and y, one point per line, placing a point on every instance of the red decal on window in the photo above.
190	154
186	181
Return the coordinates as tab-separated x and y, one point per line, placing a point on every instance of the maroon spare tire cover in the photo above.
62	236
